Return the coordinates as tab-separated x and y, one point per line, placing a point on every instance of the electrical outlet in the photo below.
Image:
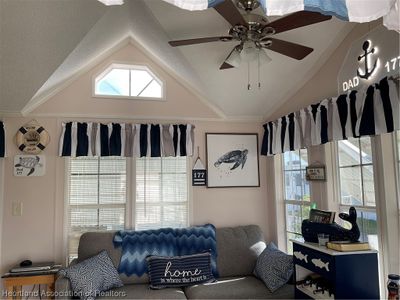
17	209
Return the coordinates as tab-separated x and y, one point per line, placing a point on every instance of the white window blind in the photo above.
96	197
161	193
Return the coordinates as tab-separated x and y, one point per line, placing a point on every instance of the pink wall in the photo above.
76	99
39	233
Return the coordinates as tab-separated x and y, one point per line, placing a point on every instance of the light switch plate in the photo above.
17	209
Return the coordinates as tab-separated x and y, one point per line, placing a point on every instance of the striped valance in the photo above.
126	140
2	140
372	111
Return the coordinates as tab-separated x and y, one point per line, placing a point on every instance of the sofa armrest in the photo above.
62	286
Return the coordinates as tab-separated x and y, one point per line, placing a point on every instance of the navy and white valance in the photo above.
349	10
126	140
2	140
372	111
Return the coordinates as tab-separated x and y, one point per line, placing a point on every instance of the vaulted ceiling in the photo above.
44	43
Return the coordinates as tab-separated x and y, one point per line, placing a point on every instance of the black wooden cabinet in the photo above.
351	275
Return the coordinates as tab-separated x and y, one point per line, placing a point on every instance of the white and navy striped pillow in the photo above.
179	271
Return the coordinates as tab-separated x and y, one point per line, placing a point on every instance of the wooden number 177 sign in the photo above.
199	177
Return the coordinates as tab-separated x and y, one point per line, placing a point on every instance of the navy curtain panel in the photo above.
2	140
126	140
373	111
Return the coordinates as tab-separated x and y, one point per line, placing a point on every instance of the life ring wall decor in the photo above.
32	138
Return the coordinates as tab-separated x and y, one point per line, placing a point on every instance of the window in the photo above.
357	187
161	192
128	81
296	194
97	197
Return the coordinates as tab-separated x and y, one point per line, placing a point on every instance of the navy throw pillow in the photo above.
179	271
274	267
92	276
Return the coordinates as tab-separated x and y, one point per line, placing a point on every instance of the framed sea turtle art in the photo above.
232	160
29	165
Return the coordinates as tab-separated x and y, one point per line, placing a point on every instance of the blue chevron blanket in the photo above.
137	245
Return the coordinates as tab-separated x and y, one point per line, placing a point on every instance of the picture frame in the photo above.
232	160
315	173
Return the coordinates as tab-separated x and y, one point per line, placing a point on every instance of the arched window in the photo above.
129	81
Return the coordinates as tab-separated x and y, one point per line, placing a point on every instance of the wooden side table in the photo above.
13	283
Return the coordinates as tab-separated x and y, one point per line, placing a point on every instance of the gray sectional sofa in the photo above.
238	249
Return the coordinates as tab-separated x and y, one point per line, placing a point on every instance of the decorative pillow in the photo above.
274	267
179	271
92	276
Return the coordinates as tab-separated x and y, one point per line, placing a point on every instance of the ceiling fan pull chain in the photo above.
248	76
259	64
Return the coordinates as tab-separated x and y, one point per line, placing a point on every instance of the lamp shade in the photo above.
234	59
112	2
249	52
263	56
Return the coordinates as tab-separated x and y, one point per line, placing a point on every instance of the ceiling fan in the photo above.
255	32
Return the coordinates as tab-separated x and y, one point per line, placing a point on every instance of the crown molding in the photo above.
78	116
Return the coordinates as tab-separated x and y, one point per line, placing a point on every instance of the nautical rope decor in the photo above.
2	140
32	138
126	140
373	111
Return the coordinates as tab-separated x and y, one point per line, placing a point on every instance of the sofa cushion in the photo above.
274	267
179	270
92	243
238	249
92	276
142	291
247	287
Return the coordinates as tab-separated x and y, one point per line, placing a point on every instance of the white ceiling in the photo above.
57	39
35	38
228	88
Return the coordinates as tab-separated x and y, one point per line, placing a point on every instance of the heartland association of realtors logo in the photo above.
369	59
366	57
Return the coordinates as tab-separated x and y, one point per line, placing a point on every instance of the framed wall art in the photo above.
232	160
315	173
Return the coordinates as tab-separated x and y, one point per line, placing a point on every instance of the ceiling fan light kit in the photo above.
112	2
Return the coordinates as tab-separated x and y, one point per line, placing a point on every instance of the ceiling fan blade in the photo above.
229	11
296	20
200	41
225	65
293	50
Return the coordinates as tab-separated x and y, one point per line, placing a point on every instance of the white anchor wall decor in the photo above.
372	57
366	57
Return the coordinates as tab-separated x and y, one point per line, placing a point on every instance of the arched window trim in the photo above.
128	66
